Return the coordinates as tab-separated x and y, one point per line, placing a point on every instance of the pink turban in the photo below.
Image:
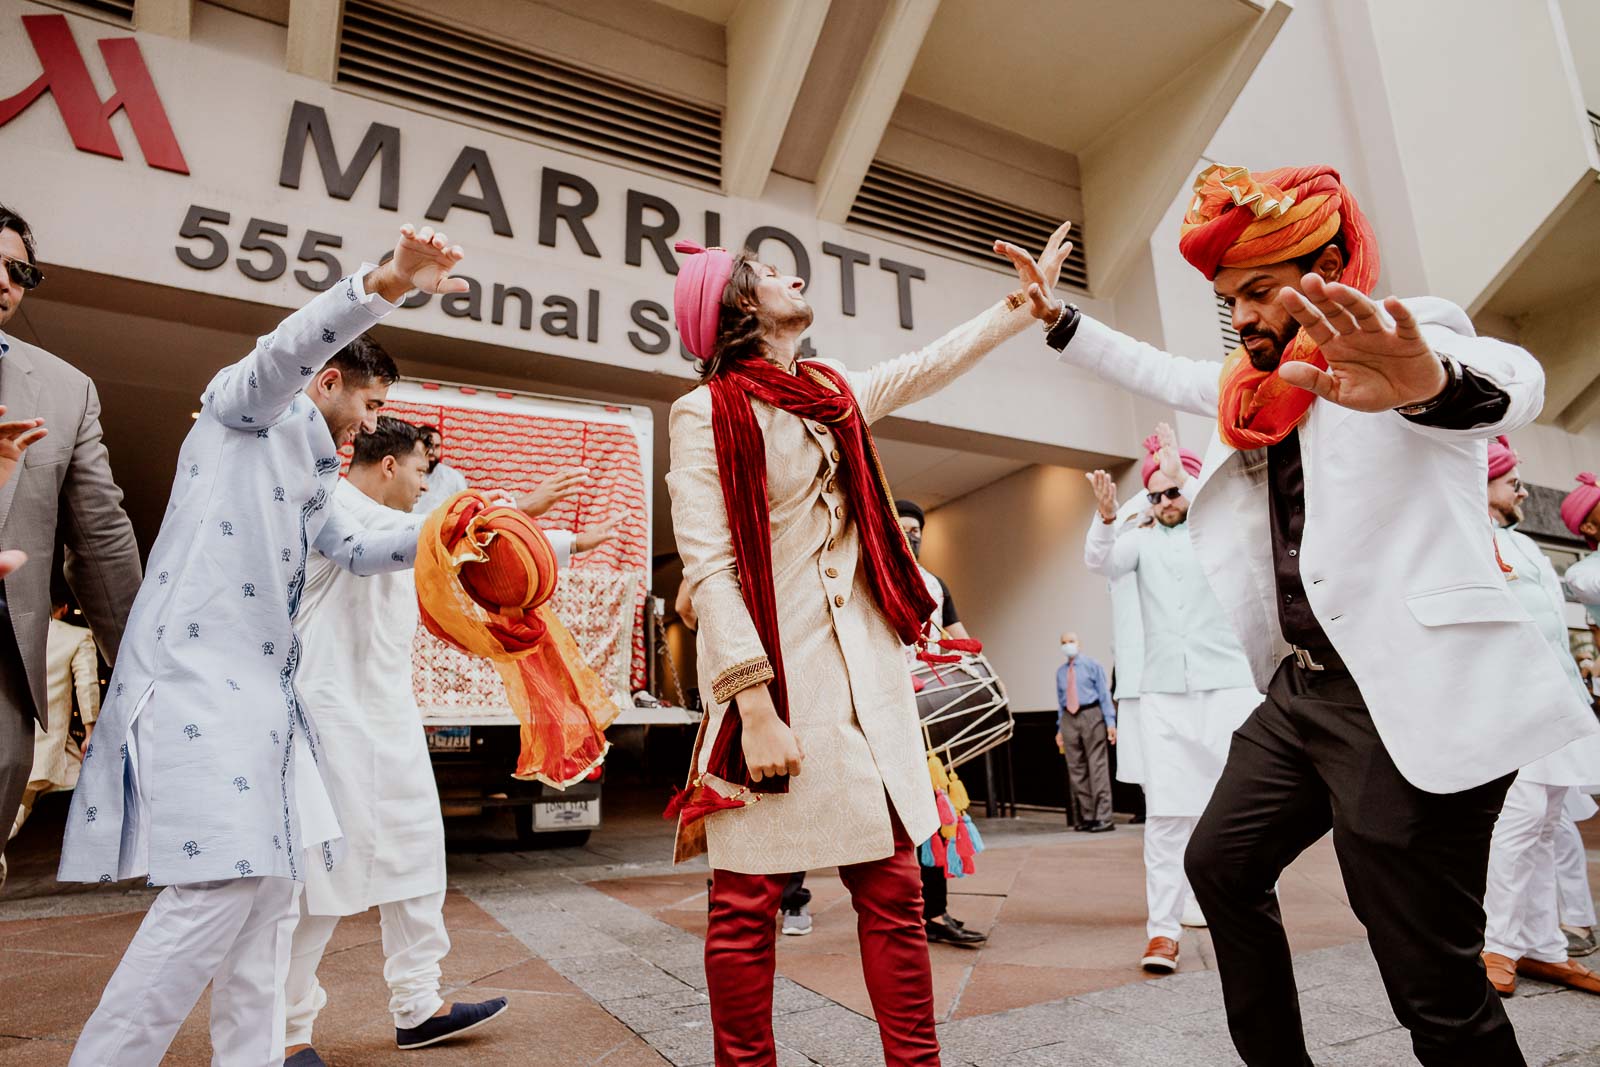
1579	505
1152	460
697	296
1501	457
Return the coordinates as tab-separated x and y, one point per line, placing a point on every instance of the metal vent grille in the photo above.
957	220
118	11
399	54
1230	336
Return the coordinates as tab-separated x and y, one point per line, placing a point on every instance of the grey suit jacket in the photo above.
63	493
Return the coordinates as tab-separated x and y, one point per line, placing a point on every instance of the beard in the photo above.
1267	360
1169	520
794	319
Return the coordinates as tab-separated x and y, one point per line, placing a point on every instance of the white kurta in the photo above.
355	683
1127	652
206	788
1533	580
1196	688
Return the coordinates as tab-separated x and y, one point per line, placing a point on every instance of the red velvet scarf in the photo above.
816	393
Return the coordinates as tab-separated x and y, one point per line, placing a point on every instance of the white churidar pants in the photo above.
414	941
1520	903
1572	873
234	935
1166	888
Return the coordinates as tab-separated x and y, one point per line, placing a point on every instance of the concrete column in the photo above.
770	43
170	18
314	38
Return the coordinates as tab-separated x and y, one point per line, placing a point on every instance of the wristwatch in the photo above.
1452	378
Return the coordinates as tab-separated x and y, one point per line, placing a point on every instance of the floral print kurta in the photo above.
208	661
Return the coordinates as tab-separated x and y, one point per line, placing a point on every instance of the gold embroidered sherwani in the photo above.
850	699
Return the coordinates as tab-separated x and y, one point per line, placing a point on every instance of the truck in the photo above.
503	439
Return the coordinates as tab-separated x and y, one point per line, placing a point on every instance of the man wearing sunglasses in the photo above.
61	493
1195	682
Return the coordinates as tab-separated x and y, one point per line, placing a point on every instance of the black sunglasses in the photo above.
23	273
1170	494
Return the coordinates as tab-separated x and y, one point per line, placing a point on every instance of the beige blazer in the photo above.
72	668
63	494
850	699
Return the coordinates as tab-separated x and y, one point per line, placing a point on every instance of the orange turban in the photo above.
1241	219
484	576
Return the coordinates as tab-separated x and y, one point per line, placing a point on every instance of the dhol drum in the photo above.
962	706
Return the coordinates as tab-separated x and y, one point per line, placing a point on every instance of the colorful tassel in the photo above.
695	801
961	644
958	795
679	799
953	861
947	814
972	832
925	853
936	772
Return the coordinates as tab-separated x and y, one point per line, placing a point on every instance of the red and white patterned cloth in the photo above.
602	595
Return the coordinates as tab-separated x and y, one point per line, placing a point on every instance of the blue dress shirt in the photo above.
1093	688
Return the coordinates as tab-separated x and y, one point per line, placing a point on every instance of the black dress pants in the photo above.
1414	865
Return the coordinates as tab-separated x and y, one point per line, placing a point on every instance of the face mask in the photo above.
1069	649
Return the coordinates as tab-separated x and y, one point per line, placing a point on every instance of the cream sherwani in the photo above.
71	667
850	699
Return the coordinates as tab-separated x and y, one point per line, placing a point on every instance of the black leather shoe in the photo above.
942	933
1082	827
952	922
306	1057
1101	826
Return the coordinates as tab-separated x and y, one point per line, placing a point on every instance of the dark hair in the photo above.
912	509
10	220
739	334
1308	262
363	361
393	437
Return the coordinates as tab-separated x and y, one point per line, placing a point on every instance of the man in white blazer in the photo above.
1339	518
1523	933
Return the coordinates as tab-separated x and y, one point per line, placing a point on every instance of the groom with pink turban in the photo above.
1195	684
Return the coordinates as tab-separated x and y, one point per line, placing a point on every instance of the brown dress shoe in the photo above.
1160	956
1571	974
1502	972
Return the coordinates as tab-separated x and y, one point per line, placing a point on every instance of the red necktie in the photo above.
1072	687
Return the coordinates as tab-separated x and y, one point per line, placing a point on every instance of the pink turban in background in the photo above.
697	296
1579	504
1501	457
1152	460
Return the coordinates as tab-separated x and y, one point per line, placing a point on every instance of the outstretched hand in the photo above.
1105	495
1039	279
560	486
1377	357
15	437
600	533
422	261
1169	458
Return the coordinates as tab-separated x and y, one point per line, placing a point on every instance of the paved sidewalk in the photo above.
599	950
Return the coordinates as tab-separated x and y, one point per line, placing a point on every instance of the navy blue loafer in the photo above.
306	1057
462	1018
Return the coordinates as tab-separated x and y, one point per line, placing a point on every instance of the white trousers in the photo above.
1166	887
234	935
1520	902
1572	874
414	941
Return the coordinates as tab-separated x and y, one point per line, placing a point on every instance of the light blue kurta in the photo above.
1189	644
209	658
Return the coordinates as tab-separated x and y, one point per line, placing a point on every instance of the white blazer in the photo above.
1398	563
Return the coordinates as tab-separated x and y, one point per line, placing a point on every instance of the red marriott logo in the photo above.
88	118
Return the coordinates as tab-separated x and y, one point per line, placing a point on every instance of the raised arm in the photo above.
905	379
258	390
1177	381
360	550
1104	552
728	640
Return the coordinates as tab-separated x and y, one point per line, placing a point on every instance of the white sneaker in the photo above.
1193	916
797	923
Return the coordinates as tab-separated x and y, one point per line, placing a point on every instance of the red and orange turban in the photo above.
485	574
1241	219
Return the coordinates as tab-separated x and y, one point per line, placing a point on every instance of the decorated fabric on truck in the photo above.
601	597
485	576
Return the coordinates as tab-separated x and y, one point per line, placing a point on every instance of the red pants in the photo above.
740	959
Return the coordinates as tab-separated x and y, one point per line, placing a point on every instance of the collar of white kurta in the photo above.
368	511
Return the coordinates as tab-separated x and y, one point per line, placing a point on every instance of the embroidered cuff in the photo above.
741	676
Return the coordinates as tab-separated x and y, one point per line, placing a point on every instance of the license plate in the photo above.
566	814
449	738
